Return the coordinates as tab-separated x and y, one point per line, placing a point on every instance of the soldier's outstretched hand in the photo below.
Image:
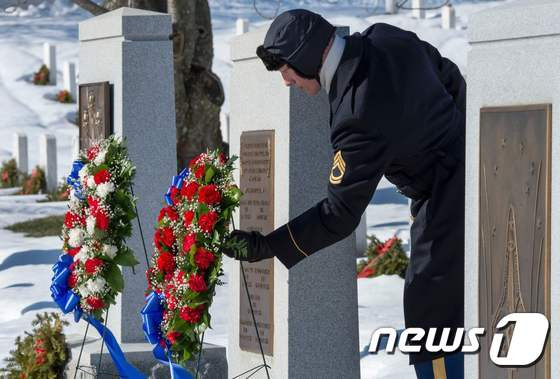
248	246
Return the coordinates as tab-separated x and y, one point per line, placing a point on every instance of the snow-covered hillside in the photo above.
25	262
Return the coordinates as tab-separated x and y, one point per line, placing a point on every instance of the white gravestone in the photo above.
21	152
314	310
47	159
49	59
513	63
224	125
418	11
448	17
391	6
241	26
131	49
75	147
69	79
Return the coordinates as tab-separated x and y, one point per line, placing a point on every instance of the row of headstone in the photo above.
68	70
47	156
418	11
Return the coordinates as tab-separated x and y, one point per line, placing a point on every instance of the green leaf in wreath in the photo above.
206	318
102	167
126	257
216	237
236	194
191	256
210	172
202	208
114	277
186	356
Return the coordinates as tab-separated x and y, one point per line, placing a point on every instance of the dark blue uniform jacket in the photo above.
397	109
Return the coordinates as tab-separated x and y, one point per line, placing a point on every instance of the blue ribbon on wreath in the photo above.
152	316
74	178
69	301
176	182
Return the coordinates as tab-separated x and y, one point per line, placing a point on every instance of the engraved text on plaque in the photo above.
257	214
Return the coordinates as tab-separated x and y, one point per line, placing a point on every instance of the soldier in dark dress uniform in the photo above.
397	108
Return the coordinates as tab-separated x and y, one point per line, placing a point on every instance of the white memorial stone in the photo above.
47	159
21	152
417	9
224	125
69	79
131	50
49	59
514	61
241	26
75	147
448	17
391	6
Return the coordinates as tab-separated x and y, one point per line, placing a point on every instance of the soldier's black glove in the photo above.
248	246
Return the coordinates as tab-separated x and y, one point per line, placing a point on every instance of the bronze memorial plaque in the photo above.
514	241
257	213
94	112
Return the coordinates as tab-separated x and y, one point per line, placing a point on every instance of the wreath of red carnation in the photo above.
191	232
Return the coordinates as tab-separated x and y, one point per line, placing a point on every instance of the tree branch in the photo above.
91	7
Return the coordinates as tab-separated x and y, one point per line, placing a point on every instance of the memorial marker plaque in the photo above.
514	250
257	214
94	112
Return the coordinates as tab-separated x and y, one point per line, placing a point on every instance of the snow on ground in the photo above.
25	267
25	262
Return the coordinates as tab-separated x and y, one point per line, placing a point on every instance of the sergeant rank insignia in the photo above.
338	168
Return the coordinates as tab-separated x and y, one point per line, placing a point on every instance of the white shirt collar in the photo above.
331	62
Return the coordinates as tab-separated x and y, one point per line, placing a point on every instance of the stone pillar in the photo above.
241	26
448	17
69	78
47	160
49	59
20	152
512	236
417	11
361	236
391	6
130	48
314	322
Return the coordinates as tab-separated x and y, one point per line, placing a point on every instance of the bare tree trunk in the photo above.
198	112
91	7
199	94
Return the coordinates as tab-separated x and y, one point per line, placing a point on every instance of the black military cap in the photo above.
297	37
